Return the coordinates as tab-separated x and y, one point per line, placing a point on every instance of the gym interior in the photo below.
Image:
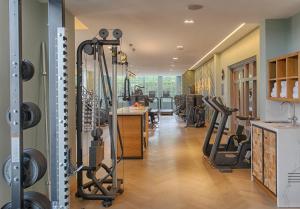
149	104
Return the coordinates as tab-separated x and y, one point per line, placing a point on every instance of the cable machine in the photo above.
108	186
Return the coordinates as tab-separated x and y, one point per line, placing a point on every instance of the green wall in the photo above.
4	95
278	37
34	33
34	14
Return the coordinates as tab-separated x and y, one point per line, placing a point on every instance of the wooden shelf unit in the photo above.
284	68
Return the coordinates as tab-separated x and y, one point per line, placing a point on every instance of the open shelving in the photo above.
280	69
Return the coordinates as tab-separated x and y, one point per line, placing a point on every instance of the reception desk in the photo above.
133	123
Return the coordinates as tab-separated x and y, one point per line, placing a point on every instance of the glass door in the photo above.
244	91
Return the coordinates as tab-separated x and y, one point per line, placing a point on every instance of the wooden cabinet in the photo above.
264	164
270	164
257	154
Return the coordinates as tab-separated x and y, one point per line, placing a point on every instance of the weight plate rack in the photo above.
62	119
23	167
58	105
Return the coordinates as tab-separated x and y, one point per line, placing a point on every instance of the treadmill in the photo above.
226	160
207	146
163	110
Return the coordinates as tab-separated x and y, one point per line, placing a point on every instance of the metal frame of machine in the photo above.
113	185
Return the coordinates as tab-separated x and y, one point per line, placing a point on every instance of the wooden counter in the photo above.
133	123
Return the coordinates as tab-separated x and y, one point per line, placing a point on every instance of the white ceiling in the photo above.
155	27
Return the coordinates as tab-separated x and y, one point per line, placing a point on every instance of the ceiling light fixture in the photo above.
219	44
175	58
179	47
189	21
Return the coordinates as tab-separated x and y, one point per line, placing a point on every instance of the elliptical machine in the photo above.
225	160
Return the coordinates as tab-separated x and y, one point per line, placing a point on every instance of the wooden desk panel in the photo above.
131	128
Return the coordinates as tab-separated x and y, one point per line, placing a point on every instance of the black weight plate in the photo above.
27	70
37	200
35	167
31	115
33	200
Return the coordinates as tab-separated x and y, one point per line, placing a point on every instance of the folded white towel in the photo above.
295	89
283	93
296	84
273	94
296	96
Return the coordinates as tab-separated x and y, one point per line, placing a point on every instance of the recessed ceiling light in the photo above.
195	7
189	21
180	47
175	58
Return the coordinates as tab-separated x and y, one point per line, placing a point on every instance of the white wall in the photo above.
245	48
34	32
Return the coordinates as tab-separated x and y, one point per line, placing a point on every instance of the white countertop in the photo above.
132	110
276	126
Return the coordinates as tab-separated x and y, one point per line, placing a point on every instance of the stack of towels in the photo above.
274	90
296	91
283	93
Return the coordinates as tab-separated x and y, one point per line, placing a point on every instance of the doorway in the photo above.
244	89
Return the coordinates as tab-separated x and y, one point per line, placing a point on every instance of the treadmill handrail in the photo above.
223	108
207	101
213	101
